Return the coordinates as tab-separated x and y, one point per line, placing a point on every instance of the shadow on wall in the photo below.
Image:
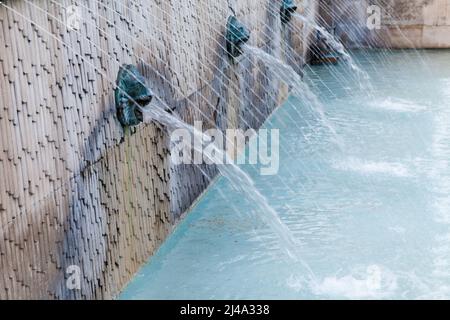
92	240
122	186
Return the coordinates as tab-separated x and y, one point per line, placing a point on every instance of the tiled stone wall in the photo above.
79	190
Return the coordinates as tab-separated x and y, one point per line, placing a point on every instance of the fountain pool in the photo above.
371	217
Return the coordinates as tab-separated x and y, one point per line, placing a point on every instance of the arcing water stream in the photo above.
379	228
238	178
355	214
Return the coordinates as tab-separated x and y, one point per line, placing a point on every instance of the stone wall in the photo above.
78	190
423	24
404	23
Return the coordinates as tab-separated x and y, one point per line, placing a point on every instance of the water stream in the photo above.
298	87
336	45
239	180
360	203
372	220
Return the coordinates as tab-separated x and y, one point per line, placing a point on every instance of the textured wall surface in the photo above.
79	190
404	23
424	24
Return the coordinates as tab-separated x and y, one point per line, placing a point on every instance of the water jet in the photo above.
131	95
324	53
237	35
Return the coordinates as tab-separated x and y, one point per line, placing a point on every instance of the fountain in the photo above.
239	179
131	95
324	52
298	87
72	175
288	7
237	35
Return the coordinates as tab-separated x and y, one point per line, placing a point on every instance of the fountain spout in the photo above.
237	35
288	7
131	95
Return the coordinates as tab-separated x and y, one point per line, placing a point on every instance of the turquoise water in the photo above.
371	217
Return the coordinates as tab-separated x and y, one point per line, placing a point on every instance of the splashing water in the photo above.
336	45
298	87
372	223
239	180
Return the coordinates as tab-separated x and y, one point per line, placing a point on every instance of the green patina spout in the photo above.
131	93
237	35
288	7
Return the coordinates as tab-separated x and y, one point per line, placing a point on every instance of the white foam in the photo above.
376	284
398	105
372	167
